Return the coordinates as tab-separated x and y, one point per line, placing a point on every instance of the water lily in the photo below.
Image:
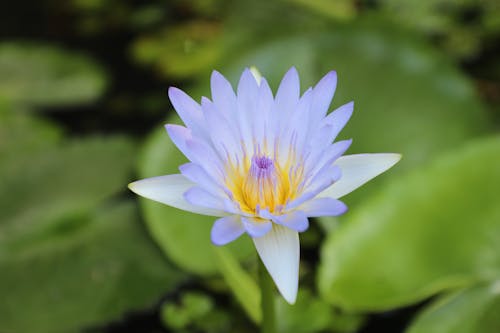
263	164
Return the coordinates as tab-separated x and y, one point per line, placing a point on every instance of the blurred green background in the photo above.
82	106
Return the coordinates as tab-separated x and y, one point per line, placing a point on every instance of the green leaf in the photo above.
435	229
22	134
470	311
41	75
181	50
184	236
85	277
311	314
41	190
308	315
242	285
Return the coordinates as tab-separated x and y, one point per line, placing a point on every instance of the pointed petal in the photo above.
187	109
279	250
338	119
322	97
256	227
288	92
296	220
323	207
170	190
226	230
357	170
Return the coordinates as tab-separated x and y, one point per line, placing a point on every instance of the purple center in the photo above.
262	162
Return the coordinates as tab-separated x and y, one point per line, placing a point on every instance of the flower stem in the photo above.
267	300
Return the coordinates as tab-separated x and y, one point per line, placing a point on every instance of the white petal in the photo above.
170	190
279	250
357	170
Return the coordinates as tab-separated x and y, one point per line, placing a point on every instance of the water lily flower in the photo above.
263	164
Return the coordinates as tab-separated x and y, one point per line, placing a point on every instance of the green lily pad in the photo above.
85	277
184	236
41	75
435	229
22	134
470	311
43	189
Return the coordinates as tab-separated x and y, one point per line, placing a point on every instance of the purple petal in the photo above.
179	136
320	182
288	92
296	220
321	159
324	207
322	96
222	133
223	94
199	176
338	119
226	230
187	109
256	227
197	196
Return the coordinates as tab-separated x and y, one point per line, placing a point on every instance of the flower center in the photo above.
261	184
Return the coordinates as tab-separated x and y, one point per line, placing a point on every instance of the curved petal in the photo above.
357	170
338	119
256	227
279	250
324	207
322	97
226	229
187	109
296	220
170	190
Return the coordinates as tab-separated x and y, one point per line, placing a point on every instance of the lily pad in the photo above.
470	311
85	277
41	75
41	190
435	229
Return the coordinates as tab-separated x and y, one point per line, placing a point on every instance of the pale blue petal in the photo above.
322	97
296	220
246	102
336	121
324	207
226	230
199	176
320	182
188	110
179	136
196	151
223	95
197	196
287	97
256	227
320	159
222	133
